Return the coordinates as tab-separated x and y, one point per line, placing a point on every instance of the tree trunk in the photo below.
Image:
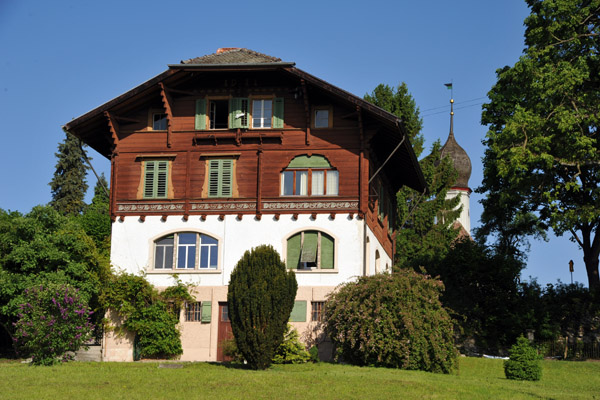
591	251
591	266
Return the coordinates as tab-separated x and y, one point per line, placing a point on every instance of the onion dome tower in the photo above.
462	164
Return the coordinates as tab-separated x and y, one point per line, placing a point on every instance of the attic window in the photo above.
159	122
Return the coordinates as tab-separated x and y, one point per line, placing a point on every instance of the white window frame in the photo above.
259	119
198	245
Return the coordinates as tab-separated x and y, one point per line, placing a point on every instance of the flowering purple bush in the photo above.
53	321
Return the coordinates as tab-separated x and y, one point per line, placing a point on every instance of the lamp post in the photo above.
571	270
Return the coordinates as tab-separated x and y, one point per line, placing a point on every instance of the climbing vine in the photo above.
151	315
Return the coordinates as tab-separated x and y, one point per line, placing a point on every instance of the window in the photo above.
220	178
159	122
234	113
317	311
219	114
186	251
262	113
322	117
309	176
309	250
198	312
156	179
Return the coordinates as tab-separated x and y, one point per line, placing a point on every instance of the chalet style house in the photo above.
222	153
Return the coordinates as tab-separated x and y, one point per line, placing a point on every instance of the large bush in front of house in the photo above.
392	320
53	322
260	298
524	362
151	315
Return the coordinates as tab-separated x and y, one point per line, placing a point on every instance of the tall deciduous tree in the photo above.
425	219
543	154
399	102
68	184
260	298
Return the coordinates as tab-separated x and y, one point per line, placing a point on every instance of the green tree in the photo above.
96	217
482	288
260	298
543	154
68	184
426	229
400	102
392	320
45	247
425	219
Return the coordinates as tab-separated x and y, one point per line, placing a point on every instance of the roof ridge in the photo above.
226	53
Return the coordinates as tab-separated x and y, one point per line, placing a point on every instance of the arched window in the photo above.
310	250
186	251
309	176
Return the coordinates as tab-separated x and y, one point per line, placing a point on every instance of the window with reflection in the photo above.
309	176
186	251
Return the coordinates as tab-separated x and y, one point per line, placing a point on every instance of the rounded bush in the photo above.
392	321
523	363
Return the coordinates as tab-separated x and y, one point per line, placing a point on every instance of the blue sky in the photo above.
62	58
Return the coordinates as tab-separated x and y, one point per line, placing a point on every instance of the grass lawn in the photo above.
477	379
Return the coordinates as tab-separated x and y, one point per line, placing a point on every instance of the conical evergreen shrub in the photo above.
260	298
524	362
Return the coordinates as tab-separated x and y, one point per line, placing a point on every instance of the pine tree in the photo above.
96	217
68	184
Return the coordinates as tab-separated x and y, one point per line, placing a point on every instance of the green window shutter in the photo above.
162	177
309	247
226	178
327	252
294	245
315	161
278	113
206	311
238	116
200	123
299	311
156	177
220	178
149	179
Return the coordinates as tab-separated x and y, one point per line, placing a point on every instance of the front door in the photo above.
225	332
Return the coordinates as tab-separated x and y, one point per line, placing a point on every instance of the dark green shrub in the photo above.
260	298
524	363
291	350
393	321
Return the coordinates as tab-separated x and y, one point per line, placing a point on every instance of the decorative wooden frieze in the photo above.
230	206
149	207
305	205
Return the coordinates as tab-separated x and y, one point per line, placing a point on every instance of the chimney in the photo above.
226	49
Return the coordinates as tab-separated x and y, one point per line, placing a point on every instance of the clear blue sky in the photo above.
62	58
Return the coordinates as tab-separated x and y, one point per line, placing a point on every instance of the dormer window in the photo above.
159	122
309	176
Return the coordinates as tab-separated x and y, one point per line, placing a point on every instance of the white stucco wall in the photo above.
465	201
133	244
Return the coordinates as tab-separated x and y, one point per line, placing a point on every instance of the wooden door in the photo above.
225	332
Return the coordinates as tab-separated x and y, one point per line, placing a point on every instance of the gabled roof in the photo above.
233	55
92	127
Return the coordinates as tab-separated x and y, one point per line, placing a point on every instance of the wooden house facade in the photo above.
225	152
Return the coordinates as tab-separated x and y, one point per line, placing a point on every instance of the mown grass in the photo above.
476	379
